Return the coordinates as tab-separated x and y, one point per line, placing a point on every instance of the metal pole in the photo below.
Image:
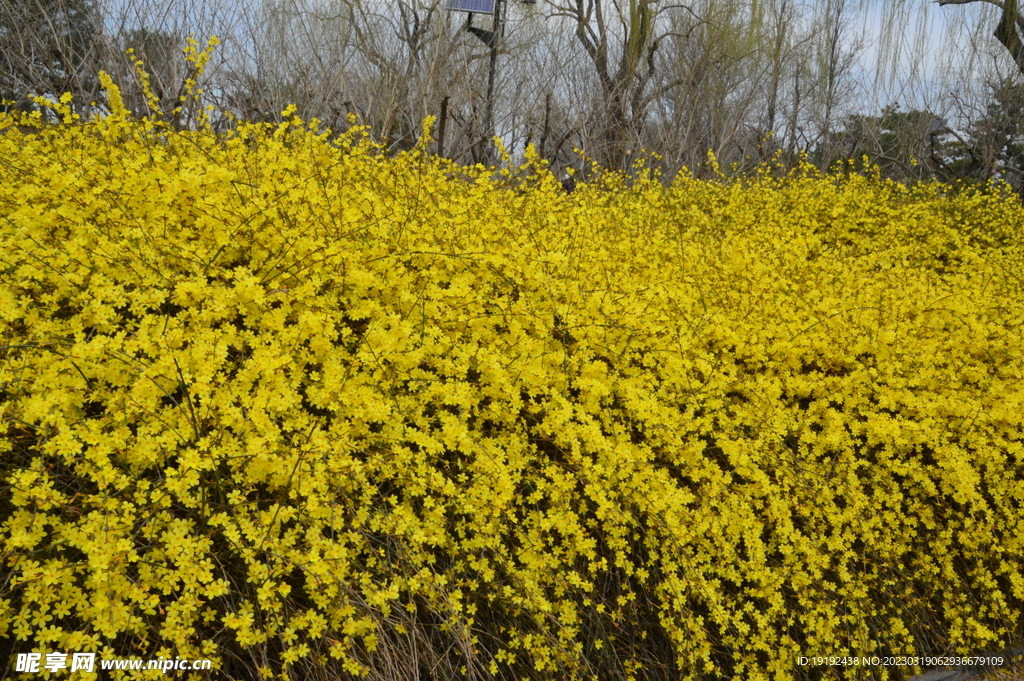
444	124
489	112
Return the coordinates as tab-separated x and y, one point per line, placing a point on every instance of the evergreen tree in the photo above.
994	145
906	145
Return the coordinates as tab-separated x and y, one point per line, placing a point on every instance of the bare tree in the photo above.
621	40
709	85
47	48
833	61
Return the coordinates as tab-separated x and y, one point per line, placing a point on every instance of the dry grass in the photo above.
1015	672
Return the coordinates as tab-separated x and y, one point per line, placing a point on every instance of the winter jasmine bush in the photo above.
284	402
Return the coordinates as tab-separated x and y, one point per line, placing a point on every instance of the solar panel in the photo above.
482	6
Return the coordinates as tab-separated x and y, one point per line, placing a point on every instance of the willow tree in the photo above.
1009	28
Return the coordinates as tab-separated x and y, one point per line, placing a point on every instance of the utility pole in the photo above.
489	111
491	39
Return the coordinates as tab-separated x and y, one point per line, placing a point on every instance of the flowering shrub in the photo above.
281	401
